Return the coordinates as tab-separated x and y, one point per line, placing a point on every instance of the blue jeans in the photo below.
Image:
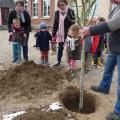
16	51
111	62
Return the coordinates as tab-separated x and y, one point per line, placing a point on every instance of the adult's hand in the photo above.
24	35
85	31
11	33
54	40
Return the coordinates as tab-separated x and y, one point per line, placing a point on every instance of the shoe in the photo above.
99	62
113	116
34	46
42	62
98	89
18	61
57	64
46	62
14	61
25	59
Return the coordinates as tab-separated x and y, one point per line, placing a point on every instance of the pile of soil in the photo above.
30	80
37	114
70	98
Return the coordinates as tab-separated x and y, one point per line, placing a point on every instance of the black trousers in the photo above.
25	48
60	51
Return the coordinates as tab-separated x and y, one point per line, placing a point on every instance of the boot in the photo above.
99	62
46	62
42	61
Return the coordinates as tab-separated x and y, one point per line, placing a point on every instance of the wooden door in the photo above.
4	15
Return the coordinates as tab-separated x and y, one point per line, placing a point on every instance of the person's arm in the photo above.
28	23
108	26
10	21
35	35
49	36
114	23
55	24
99	29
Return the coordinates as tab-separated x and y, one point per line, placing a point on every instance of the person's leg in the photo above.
99	57
46	57
73	65
108	72
60	52
117	107
42	57
116	114
25	48
14	52
96	58
105	84
19	51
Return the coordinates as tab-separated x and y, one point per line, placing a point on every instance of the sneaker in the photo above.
46	62
14	61
42	62
113	116
98	89
26	59
57	64
18	60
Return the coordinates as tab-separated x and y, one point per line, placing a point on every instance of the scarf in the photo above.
71	43
21	17
60	32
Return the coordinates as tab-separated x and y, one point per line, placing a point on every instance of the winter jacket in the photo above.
95	43
17	35
69	20
75	54
26	25
42	40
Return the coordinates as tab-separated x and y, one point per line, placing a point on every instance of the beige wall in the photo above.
104	7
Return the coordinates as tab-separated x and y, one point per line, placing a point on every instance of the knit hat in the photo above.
43	25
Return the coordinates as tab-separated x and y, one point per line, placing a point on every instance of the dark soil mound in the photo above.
30	80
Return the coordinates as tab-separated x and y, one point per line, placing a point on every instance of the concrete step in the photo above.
3	27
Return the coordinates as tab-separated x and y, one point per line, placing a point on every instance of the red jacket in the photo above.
96	40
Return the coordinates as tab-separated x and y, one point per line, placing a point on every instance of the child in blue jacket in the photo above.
42	41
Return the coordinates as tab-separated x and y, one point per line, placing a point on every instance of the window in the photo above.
35	9
46	8
26	4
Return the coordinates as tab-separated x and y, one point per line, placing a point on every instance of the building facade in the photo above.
5	7
41	10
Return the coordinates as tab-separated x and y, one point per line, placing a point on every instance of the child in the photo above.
88	49
18	38
42	41
98	57
73	48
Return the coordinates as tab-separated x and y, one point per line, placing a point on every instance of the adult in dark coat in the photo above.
25	22
112	26
64	18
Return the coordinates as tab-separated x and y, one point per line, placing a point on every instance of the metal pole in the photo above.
82	75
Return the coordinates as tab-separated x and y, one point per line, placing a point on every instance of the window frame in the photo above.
35	9
47	9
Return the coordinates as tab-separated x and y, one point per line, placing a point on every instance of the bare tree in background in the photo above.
88	8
